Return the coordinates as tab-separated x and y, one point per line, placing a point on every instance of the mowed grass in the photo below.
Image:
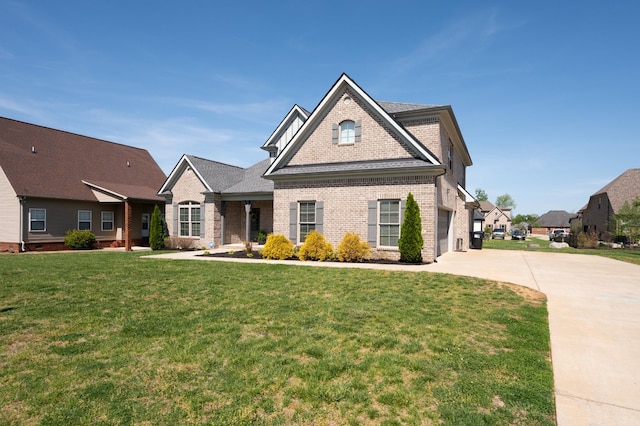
112	338
623	255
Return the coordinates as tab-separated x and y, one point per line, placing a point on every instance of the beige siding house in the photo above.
348	166
53	181
495	217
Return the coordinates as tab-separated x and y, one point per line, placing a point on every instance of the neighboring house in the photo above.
553	219
598	215
53	181
348	166
495	217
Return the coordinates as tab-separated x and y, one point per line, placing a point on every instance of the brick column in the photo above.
127	225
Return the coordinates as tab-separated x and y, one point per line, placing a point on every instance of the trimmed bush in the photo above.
156	230
315	247
79	240
277	247
353	249
411	242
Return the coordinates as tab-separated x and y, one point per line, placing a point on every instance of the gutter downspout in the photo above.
21	199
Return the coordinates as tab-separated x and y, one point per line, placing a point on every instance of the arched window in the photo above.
347	131
189	219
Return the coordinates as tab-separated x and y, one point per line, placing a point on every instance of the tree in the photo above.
528	218
628	220
481	195
156	230
505	202
411	242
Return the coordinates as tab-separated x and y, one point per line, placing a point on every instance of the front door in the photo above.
145	225
254	215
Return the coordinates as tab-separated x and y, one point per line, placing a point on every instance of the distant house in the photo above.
495	217
598	215
348	166
53	181
553	219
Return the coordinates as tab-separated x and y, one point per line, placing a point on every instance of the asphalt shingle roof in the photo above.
625	187
555	219
43	162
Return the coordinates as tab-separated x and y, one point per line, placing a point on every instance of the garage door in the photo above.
443	231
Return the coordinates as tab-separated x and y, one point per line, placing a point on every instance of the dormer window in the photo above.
348	131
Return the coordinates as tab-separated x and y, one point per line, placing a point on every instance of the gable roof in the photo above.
221	178
555	219
316	116
625	187
295	112
43	162
486	206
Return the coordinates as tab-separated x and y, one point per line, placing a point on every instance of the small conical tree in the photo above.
156	230
411	242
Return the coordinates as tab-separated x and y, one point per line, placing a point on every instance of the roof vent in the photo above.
33	149
128	164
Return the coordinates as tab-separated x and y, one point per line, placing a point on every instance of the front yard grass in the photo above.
110	338
624	255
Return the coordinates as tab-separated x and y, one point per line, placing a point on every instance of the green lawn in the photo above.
624	255
110	338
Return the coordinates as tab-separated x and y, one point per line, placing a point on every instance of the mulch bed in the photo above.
241	254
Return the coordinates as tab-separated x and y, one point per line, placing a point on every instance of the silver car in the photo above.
498	234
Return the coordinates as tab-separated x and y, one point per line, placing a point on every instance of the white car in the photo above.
558	234
498	234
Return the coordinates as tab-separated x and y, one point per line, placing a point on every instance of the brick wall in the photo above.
346	205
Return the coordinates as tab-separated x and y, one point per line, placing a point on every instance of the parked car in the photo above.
518	235
558	235
498	234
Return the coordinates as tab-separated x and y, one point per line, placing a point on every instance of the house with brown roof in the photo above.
598	215
553	219
495	217
52	181
347	166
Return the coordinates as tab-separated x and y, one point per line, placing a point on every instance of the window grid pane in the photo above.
389	222
107	221
84	220
190	220
347	132
37	219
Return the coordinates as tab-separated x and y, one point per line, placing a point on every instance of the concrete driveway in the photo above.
594	319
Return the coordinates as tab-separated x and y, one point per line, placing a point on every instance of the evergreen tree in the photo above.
411	242
156	230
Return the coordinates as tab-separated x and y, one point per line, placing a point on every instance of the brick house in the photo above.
347	166
553	219
495	217
598	215
53	181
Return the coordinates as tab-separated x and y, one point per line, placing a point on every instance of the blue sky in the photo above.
546	93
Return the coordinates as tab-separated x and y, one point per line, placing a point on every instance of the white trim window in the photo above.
37	220
389	223
307	218
84	220
347	132
189	219
107	221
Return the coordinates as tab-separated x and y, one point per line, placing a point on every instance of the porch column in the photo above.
128	216
247	220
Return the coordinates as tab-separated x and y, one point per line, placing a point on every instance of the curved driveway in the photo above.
594	320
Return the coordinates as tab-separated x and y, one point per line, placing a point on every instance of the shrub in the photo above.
353	249
277	247
79	240
156	230
248	247
411	242
261	237
315	247
587	240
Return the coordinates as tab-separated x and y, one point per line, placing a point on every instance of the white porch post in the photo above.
247	220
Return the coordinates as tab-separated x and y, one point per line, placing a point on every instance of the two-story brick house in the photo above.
348	166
